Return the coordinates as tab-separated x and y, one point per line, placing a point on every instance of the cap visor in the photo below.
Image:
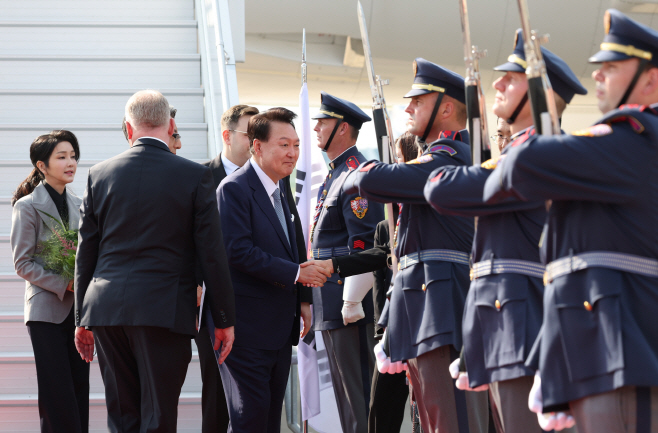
608	56
509	67
322	116
416	92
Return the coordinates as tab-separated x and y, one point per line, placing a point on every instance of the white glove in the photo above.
356	288
547	421
461	378
384	364
352	311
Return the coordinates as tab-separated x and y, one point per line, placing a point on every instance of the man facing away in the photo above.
135	283
264	263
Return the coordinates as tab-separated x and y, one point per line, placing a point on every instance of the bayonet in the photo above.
542	100
475	106
382	123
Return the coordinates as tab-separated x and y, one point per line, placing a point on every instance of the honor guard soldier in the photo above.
598	347
423	318
503	311
344	223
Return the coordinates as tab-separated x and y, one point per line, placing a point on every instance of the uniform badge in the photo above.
359	244
421	160
594	131
352	163
359	207
490	164
443	148
450	135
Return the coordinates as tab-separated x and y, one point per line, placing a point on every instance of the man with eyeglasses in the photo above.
503	311
503	134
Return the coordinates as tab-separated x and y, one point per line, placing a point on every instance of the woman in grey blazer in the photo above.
62	376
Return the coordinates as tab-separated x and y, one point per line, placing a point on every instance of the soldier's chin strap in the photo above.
518	109
631	86
432	117
331	137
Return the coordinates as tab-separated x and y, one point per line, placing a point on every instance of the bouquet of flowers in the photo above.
58	252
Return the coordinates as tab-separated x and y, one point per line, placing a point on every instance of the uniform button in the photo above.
424	287
340	281
471	274
588	306
330	175
497	304
399	266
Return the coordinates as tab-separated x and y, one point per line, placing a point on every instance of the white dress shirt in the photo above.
270	187
229	167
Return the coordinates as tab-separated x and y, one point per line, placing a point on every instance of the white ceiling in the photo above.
403	30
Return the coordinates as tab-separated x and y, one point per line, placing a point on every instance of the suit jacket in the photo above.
219	173
263	263
146	216
46	298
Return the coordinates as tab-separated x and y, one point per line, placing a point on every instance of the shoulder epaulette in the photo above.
621	117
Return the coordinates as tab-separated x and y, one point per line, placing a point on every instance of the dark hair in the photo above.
408	146
259	125
40	150
231	116
172	113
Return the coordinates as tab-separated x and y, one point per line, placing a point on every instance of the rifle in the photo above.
542	100
382	125
475	107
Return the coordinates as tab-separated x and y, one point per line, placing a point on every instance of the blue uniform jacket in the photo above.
426	305
345	220
497	335
599	329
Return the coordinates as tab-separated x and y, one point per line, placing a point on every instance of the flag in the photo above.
311	169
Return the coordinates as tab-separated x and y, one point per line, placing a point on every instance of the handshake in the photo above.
314	273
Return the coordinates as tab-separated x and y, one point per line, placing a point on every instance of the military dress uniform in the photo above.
345	223
503	311
423	316
598	349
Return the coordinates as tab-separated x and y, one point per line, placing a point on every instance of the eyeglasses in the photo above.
235	130
176	136
500	138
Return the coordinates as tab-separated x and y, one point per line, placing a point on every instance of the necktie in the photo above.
278	208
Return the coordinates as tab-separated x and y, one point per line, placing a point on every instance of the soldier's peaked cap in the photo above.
626	39
336	108
563	80
430	77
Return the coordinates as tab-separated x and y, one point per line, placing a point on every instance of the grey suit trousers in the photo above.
351	362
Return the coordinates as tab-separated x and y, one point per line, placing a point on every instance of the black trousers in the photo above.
143	369
388	398
214	412
62	377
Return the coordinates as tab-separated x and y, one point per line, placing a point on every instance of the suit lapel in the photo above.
45	205
265	204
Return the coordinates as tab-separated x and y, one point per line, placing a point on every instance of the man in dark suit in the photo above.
264	263
140	235
235	152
